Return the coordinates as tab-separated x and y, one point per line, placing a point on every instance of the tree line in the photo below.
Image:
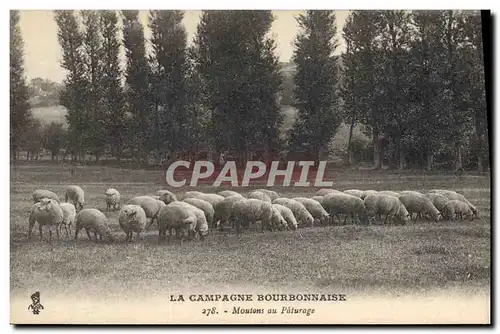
413	80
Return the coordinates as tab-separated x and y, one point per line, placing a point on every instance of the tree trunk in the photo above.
458	157
377	154
349	150
401	154
430	159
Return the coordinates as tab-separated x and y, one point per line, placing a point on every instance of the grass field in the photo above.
416	257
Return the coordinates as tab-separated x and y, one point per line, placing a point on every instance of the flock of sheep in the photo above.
197	212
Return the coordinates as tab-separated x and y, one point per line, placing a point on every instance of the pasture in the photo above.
419	256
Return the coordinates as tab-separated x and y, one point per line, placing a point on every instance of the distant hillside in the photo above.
44	92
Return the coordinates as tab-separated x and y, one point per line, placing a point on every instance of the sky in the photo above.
42	52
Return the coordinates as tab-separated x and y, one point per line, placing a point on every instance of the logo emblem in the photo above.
35	307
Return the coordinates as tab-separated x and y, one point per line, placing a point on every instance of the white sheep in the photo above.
113	199
201	226
132	218
438	200
75	195
354	192
166	196
453	195
223	209
387	205
150	206
324	191
368	193
287	215
271	193
193	193
207	208
419	204
304	218
183	217
314	208
340	203
246	211
259	195
47	212
278	222
93	220
227	193
455	209
69	216
318	199
42	193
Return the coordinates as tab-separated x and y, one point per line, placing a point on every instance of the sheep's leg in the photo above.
40	230
31	225
385	221
238	226
78	227
88	233
57	232
50	234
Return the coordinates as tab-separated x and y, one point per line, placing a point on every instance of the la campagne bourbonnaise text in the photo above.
314	297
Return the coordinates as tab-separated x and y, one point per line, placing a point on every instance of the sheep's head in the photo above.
46	204
130	211
309	220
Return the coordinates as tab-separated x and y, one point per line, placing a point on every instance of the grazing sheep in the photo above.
278	222
166	196
223	209
193	193
324	191
271	193
340	203
419	204
259	195
354	192
367	193
69	216
287	214
93	220
318	199
201	222
113	199
182	217
390	193
452	195
46	212
314	208
42	193
455	209
207	208
411	192
438	200
387	205
76	195
300	212
132	218
150	206
246	211
227	193
213	199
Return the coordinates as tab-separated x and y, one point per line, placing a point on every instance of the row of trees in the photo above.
413	80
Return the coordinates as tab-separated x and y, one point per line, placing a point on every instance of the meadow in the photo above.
416	257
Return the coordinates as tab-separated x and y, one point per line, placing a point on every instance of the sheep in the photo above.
367	193
314	208
93	220
113	199
69	216
76	195
411	192
42	193
387	205
271	193
453	195
166	196
419	204
277	220
324	191
318	199
259	195
183	217
188	194
46	212
287	214
246	211
213	199
389	192
150	206
227	193
457	209
207	208
340	203
354	192
300	212
132	218
223	209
